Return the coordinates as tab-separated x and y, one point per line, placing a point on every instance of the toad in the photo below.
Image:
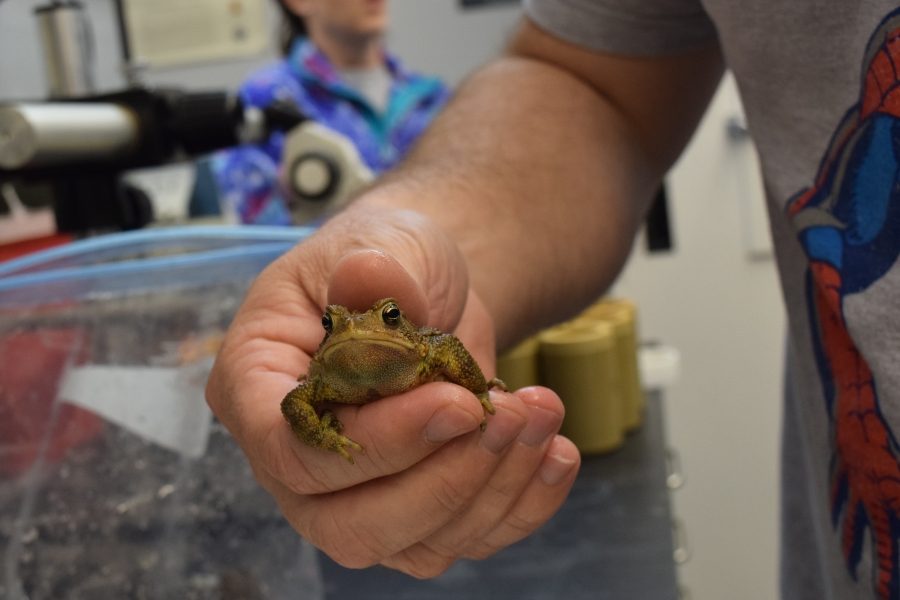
369	355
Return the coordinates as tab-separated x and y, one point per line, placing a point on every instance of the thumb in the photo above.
363	277
406	257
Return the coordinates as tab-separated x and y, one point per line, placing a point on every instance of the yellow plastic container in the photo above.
518	366
577	361
622	315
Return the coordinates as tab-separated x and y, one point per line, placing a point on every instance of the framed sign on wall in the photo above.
162	33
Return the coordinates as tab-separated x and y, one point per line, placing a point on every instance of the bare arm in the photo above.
542	167
518	206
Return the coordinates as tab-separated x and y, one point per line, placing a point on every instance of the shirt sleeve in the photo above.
627	27
246	179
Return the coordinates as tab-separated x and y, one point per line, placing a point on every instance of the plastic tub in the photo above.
115	479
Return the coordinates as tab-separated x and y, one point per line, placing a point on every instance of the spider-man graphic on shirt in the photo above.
849	226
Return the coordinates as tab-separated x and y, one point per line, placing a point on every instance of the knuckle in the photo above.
449	494
481	550
520	525
344	544
421	562
279	459
350	560
210	391
429	571
514	527
505	490
378	459
216	392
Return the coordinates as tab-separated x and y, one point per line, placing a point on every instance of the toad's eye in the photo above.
327	322
391	314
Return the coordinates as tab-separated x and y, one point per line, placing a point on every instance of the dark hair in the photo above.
292	27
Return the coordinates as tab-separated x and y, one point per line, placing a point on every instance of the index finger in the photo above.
396	432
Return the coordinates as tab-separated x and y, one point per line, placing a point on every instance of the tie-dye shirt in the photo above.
246	176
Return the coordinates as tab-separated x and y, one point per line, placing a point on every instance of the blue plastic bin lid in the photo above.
135	261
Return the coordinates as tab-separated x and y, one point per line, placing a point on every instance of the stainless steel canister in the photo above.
68	51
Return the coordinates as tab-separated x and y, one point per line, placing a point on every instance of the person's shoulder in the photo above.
271	82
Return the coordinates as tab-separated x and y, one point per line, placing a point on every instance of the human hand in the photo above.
431	487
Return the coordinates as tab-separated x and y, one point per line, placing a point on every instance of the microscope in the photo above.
78	144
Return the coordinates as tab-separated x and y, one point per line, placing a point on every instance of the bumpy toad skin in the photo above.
370	355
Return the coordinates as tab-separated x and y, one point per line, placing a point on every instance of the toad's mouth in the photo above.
354	342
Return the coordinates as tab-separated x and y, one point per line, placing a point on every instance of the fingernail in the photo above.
555	468
501	430
541	425
450	422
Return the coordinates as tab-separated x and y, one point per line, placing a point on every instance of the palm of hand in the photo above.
431	487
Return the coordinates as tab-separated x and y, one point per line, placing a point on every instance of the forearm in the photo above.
541	186
542	166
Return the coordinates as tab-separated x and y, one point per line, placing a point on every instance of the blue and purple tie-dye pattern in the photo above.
247	175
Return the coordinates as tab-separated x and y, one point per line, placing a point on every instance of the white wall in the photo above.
440	38
721	307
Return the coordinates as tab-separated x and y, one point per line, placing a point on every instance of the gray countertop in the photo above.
612	539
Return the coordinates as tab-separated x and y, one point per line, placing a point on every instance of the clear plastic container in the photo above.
115	479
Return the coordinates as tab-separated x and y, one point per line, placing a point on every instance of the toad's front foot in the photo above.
333	439
313	430
485	399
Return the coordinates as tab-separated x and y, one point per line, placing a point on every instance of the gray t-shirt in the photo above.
819	83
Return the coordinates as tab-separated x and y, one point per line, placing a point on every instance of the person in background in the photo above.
337	71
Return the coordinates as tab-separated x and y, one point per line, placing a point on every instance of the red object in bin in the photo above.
32	364
23	247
